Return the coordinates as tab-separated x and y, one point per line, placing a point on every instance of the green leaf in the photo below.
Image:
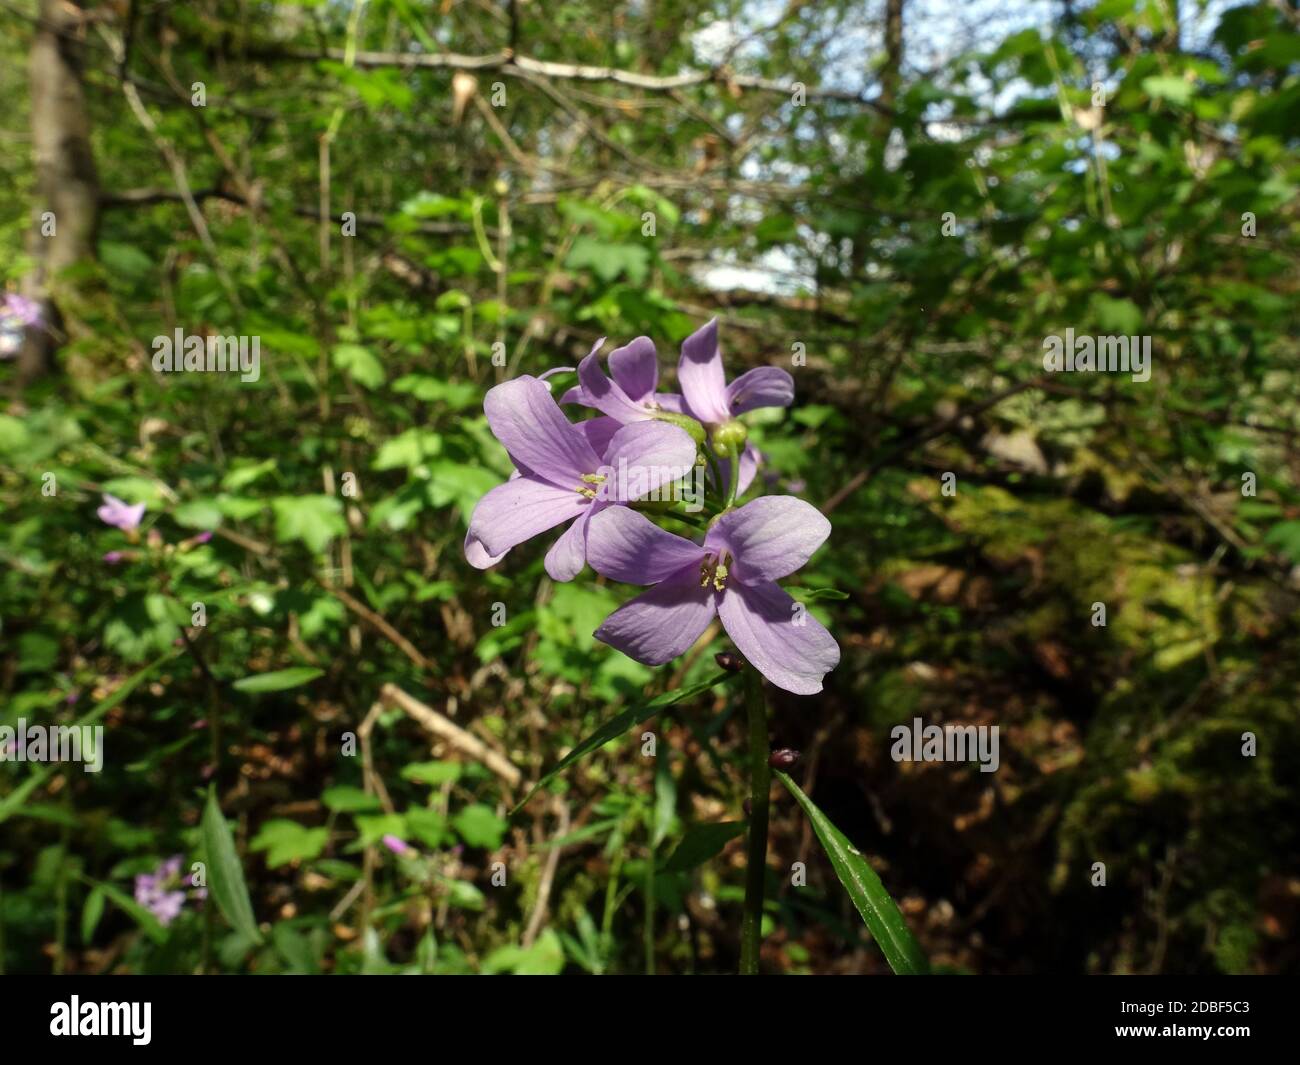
225	874
278	680
544	958
200	514
478	826
432	773
702	843
346	799
619	724
315	520
149	924
607	261
287	841
360	364
294	948
878	910
1285	536
1175	90
91	912
243	473
812	595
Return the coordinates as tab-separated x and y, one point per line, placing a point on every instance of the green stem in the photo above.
650	913
733	489
760	779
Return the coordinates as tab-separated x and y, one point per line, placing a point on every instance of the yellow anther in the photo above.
714	570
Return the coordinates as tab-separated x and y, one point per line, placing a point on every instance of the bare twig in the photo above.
440	726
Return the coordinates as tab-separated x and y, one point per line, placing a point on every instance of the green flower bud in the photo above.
683	421
729	439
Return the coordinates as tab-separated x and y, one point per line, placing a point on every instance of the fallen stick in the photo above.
442	727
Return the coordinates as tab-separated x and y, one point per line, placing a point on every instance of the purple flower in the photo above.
20	309
203	538
708	398
732	576
119	514
114	557
157	891
396	844
630	395
704	386
561	477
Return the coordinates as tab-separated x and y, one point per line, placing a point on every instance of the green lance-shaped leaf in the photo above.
701	843
619	724
280	680
225	875
878	910
149	924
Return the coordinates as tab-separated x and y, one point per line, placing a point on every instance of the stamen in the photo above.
720	571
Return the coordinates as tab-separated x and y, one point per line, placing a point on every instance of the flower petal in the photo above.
605	394
626	546
643	456
701	377
575	395
476	554
771	537
789	646
669	401
662	623
635	367
568	554
763	386
518	510
526	419
599	432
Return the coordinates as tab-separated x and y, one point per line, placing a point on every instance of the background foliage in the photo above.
593	203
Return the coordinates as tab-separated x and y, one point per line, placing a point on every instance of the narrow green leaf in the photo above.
812	595
91	912
619	724
278	680
878	910
149	924
702	843
225	875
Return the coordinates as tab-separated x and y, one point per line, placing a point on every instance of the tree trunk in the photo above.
66	212
891	72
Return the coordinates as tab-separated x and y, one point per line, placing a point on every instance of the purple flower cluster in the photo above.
567	474
161	892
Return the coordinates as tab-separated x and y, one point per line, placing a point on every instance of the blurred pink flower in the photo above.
120	515
19	308
396	844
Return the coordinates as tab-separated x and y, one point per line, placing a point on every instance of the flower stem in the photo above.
760	779
733	489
